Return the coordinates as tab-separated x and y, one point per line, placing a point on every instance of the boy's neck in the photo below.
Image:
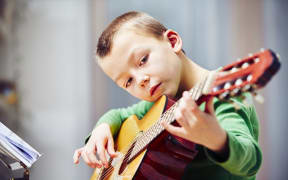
191	74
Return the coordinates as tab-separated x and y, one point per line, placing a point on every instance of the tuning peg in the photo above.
234	69
256	60
215	89
245	65
224	95
235	92
238	82
247	87
249	77
259	98
227	85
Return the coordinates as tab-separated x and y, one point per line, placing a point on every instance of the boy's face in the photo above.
143	65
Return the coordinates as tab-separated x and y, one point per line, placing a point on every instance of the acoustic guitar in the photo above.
147	151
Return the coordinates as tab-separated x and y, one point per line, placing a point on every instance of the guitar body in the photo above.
164	158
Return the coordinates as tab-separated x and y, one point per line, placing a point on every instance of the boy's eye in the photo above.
128	83
143	60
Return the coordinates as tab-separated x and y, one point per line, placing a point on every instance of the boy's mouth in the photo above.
154	88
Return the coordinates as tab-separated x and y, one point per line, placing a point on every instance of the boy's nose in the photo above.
144	81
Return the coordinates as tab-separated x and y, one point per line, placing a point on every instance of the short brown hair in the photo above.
141	21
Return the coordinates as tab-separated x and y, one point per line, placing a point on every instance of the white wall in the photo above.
53	48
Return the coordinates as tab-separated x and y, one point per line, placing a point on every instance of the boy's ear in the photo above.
174	39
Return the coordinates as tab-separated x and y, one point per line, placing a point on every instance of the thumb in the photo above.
209	106
110	147
77	155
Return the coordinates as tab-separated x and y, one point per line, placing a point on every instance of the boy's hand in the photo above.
198	126
94	152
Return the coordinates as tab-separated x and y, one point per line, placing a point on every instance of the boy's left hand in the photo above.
198	126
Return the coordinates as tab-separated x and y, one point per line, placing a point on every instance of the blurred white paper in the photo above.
16	148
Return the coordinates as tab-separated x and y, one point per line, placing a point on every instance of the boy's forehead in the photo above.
129	35
126	42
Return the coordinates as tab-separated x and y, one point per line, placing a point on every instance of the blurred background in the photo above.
52	92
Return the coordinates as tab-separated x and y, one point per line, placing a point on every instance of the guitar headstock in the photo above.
245	75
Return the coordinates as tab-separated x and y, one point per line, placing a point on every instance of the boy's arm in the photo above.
244	156
115	117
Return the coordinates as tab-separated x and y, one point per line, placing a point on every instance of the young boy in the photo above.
143	57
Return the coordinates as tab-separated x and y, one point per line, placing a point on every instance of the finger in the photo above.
101	153
110	148
89	153
179	116
190	118
209	106
177	131
93	161
77	155
193	107
87	161
189	102
187	97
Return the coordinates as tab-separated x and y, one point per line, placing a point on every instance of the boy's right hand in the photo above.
94	152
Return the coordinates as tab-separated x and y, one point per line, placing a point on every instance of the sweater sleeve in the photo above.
115	117
245	156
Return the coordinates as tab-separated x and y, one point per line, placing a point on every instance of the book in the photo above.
16	148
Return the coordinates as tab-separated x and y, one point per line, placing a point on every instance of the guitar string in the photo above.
195	93
110	168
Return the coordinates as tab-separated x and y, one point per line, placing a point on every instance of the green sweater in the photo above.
242	128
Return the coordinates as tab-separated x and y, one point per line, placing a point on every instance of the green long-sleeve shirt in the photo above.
242	127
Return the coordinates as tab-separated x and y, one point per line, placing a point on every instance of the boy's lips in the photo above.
154	88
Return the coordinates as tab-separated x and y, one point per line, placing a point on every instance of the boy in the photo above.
140	55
